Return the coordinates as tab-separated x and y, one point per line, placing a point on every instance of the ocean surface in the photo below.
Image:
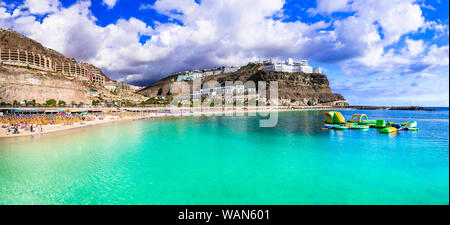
231	160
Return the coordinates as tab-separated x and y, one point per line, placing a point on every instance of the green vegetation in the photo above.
51	102
95	102
157	101
310	103
30	103
129	104
61	103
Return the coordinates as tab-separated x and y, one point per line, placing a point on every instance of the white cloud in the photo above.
438	55
330	6
131	78
145	6
40	7
413	47
425	75
110	3
226	32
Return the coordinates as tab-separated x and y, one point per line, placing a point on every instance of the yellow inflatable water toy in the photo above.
334	118
361	119
388	130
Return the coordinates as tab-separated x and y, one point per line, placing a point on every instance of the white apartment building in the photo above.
317	70
110	85
192	75
291	67
237	90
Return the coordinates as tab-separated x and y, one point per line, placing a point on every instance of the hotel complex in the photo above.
195	74
235	92
290	66
24	58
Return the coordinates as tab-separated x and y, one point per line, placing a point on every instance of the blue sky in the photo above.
374	52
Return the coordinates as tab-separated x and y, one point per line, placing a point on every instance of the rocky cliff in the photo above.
13	40
293	88
10	39
21	84
159	88
26	84
18	84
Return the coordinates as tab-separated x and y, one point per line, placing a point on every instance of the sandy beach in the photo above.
140	115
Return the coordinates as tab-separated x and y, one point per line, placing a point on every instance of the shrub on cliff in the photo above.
51	102
61	103
129	104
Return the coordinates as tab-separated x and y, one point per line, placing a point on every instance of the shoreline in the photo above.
141	114
48	129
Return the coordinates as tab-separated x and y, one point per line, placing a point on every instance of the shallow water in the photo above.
222	160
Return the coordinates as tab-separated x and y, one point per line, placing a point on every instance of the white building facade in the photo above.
290	66
236	89
192	75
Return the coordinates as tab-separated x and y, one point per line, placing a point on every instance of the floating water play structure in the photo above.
335	120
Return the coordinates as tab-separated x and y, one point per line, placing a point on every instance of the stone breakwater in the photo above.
387	107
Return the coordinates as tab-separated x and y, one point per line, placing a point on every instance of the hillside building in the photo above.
236	89
290	66
195	74
18	57
96	78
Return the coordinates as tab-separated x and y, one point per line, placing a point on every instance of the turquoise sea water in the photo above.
222	160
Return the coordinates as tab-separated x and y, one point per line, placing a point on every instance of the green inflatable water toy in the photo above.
388	130
334	117
380	124
407	124
341	127
335	120
359	127
410	128
368	122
